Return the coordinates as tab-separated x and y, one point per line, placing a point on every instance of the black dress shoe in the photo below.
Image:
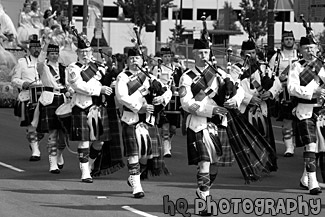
303	186
167	155
288	154
88	180
205	213
315	191
138	195
60	166
35	158
57	171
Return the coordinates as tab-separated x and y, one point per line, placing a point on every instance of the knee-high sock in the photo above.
310	160
203	181
134	169
83	155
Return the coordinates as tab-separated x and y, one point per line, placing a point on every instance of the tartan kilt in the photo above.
48	120
197	151
80	131
28	110
131	146
268	134
155	164
254	155
305	131
110	159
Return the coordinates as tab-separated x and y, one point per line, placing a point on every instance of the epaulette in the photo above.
190	73
78	64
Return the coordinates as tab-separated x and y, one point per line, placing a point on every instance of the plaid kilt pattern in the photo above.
155	165
110	160
197	151
254	155
79	127
305	130
268	135
48	120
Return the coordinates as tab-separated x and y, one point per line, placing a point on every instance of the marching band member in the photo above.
280	64
89	124
169	75
304	82
202	149
24	76
54	79
140	134
215	127
259	87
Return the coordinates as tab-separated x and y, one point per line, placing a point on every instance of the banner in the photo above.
95	12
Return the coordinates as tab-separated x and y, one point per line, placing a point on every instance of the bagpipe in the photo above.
227	87
253	64
313	68
156	88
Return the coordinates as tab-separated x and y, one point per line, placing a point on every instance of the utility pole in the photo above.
85	17
70	8
158	24
270	27
181	13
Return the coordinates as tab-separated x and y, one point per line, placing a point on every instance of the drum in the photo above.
174	105
64	115
35	92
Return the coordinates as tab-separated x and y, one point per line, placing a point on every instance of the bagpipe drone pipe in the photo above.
156	88
227	87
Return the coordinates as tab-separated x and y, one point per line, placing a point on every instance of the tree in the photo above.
256	12
177	34
60	6
229	18
321	40
141	12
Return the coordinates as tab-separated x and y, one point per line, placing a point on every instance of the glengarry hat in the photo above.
307	40
53	48
165	50
34	41
133	52
248	45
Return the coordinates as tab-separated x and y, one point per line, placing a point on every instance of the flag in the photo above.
95	11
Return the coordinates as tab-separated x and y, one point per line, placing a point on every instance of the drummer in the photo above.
25	76
170	119
54	79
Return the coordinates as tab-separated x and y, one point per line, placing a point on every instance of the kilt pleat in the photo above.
48	120
305	131
155	164
79	127
197	150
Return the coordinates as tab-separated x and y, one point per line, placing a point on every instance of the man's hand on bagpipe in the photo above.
106	90
147	108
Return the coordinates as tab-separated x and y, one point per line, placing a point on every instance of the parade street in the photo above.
28	188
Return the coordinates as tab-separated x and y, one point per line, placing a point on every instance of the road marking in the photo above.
278	142
11	167
138	211
279	127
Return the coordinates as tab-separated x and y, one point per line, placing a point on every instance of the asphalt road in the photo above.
28	189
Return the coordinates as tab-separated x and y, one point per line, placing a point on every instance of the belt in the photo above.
55	90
